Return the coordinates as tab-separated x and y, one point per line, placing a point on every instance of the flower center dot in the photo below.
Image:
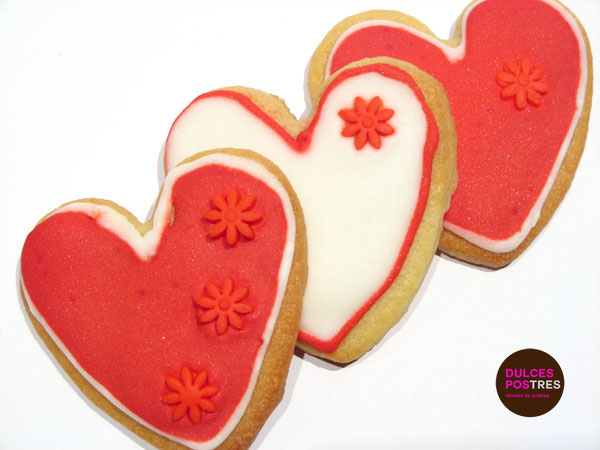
523	79
366	121
230	215
224	303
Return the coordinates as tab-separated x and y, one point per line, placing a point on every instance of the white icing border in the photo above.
455	54
146	246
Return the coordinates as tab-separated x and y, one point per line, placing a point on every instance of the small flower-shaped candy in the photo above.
522	81
367	123
233	216
223	305
190	394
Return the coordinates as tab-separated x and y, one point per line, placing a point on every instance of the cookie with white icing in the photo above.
518	74
181	328
374	169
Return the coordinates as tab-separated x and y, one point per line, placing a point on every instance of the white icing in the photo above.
357	204
146	246
455	54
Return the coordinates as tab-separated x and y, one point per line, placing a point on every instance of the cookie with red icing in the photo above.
518	74
374	168
181	328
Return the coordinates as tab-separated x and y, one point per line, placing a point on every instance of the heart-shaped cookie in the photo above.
373	167
182	328
519	78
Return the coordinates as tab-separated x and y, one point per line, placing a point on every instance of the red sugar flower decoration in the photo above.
367	123
522	81
232	216
224	306
190	394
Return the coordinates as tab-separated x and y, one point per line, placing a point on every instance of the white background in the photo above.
88	91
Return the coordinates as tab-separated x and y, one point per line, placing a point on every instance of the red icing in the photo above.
131	323
504	156
521	81
223	306
367	123
233	216
191	395
301	144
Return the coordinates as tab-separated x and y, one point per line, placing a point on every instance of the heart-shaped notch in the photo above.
182	328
